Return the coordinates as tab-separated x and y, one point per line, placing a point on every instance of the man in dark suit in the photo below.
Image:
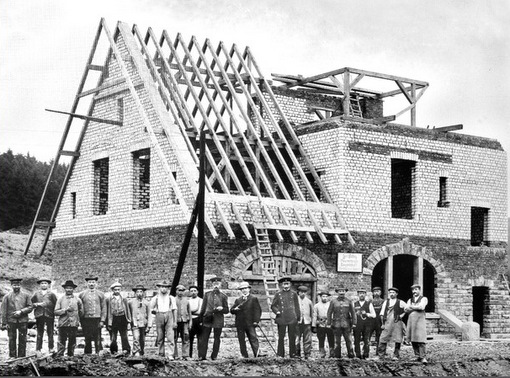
247	310
214	306
286	307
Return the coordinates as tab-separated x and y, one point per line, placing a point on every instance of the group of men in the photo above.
188	317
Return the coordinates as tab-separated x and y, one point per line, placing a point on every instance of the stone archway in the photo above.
248	256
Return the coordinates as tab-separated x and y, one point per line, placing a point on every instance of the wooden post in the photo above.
389	274
413	109
201	205
346	103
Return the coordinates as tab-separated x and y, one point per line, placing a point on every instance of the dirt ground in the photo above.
446	358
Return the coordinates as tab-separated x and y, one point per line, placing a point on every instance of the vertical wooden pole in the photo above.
347	94
200	226
389	274
413	109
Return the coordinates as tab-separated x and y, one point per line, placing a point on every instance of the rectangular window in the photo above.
173	197
402	188
141	179
101	168
120	109
479	226
73	204
443	202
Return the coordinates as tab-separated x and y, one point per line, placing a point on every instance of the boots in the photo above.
322	352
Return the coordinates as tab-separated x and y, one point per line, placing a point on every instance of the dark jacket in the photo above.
341	313
210	316
109	314
47	309
14	302
287	303
246	311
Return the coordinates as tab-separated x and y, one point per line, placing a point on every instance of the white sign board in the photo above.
349	262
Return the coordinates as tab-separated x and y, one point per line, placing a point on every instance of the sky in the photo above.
460	47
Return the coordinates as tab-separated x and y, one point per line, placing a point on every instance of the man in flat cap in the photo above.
377	302
184	322
285	306
118	318
69	309
195	304
139	315
416	323
44	301
392	312
319	324
94	309
15	309
164	314
365	315
342	319
247	310
304	326
214	307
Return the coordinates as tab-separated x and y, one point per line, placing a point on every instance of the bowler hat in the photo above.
303	288
115	284
285	279
393	289
416	285
376	288
139	287
90	278
215	279
244	285
180	287
69	283
164	283
44	280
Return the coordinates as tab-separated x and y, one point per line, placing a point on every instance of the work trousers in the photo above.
203	342
119	326
92	334
376	328
41	321
362	333
304	332
322	333
251	334
419	349
165	333
196	330
17	331
282	329
139	340
67	335
381	351
182	331
346	333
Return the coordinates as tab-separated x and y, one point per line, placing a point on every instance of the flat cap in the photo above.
139	287
180	287
164	283
362	290
284	279
416	285
376	288
90	278
44	279
244	285
321	293
215	279
16	280
341	289
393	289
303	288
115	284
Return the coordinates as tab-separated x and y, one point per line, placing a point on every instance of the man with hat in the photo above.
69	309
392	312
164	314
44	301
117	319
416	323
214	306
94	315
247	310
377	302
285	306
304	326
195	304
184	322
15	309
365	314
319	320
139	315
342	319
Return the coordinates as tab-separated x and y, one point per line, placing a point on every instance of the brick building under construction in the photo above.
345	195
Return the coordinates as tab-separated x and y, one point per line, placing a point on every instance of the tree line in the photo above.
22	181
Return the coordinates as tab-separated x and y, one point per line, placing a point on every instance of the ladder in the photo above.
269	274
355	106
505	280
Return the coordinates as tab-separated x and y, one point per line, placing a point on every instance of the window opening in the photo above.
402	188
479	223
443	202
73	204
120	109
173	197
101	173
141	179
